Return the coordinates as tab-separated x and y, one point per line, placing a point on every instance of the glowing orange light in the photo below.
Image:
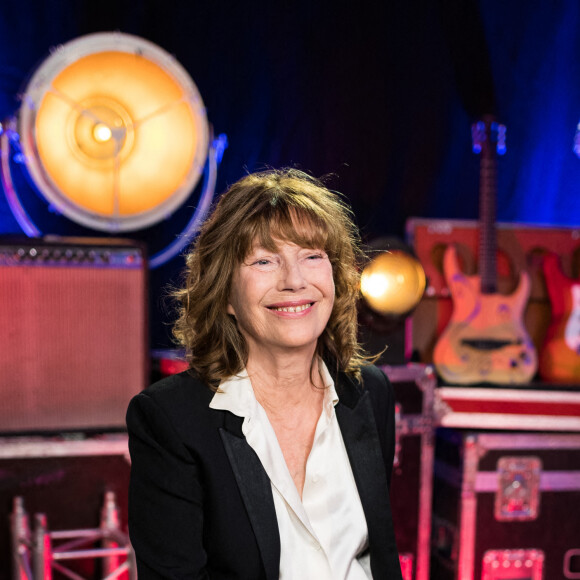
119	136
393	283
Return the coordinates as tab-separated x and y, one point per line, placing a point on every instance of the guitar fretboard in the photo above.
485	137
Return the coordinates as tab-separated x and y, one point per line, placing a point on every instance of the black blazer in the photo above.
200	502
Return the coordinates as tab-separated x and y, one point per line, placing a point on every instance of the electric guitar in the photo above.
485	340
560	354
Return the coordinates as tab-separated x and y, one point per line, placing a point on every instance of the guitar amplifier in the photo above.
74	335
520	247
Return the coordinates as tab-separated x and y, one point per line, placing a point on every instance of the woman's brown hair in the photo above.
282	204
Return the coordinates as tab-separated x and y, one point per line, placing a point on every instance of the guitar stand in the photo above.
35	554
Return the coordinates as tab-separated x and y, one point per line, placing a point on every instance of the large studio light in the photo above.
113	132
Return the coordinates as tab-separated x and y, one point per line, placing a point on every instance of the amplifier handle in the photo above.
574	552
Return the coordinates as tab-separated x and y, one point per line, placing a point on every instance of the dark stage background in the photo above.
379	94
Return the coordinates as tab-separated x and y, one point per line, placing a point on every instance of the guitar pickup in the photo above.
489	343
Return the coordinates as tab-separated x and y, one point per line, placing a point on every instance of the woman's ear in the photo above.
230	309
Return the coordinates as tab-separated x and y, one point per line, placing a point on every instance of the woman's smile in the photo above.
291	308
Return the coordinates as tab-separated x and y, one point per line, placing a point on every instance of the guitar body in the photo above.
485	340
560	354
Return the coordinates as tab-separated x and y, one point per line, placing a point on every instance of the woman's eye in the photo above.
265	264
315	256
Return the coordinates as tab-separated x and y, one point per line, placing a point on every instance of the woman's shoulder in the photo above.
373	377
378	385
181	390
184	380
372	382
174	414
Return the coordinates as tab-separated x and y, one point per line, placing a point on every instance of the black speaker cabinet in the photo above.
73	332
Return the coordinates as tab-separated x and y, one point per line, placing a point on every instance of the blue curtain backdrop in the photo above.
380	94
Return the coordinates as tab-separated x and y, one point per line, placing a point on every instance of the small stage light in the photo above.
393	283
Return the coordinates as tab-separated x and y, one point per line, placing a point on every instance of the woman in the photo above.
271	457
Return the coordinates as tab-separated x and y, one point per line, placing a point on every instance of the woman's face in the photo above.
282	300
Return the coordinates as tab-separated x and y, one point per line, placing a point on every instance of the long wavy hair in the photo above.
285	205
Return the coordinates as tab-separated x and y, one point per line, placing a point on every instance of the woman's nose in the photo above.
291	276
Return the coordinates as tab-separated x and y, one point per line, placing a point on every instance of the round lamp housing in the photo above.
393	283
113	131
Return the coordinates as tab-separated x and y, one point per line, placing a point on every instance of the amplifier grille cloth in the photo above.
72	345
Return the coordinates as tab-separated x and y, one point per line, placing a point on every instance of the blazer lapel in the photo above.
256	492
357	424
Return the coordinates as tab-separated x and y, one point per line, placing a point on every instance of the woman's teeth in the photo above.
292	308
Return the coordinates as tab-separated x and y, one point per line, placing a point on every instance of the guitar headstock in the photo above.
487	131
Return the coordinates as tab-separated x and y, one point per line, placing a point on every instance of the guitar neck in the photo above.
487	208
487	229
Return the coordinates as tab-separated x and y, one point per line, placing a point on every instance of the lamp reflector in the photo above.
114	132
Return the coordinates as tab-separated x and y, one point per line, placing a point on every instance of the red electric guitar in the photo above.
485	340
560	354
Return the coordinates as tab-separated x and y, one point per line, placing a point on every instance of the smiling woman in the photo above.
259	211
271	457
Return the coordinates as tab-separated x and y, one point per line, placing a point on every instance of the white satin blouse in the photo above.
324	535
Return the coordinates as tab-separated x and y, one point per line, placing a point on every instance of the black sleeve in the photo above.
165	497
389	448
383	396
